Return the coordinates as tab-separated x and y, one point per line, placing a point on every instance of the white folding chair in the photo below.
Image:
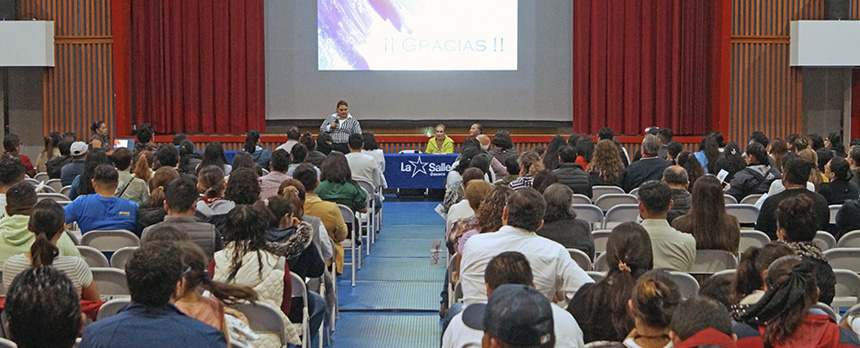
93	256
600	264
112	307
687	285
109	240
601	190
751	199
621	213
590	213
609	200
827	309
600	238
74	236
368	218
41	177
299	289
596	276
712	261
56	197
635	192
580	199
847	288
581	258
730	199
849	240
121	256
725	272
844	258
833	210
4	343
752	238
348	215
111	282
825	241
263	317
32	181
55	184
65	190
746	213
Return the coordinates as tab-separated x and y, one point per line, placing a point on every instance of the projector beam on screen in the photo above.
404	35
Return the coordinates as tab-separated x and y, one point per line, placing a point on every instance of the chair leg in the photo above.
352	254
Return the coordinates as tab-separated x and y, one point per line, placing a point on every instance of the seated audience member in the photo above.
456	189
785	316
840	188
488	216
315	157
561	224
717	288
337	185
298	156
15	236
153	211
246	261
606	167
56	163
708	154
655	297
673	149
82	184
530	166
78	151
833	142
846	217
676	178
179	198
796	172
701	322
243	186
552	266
708	221
777	185
607	134
143	169
47	224
748	284
543	179
509	269
517	316
503	148
166	156
145	135
854	163
50	151
208	309
102	210
12	171
550	157
796	225
601	308
320	235
129	187
328	212
584	151
756	177
664	135
692	166
270	183
571	173
513	169
188	158
261	156
816	177
362	166
440	143
461	217
213	207
650	167
243	159
293	139
732	161
43	309
673	250
213	155
155	279
12	147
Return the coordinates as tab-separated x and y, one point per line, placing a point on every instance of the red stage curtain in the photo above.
198	65
640	63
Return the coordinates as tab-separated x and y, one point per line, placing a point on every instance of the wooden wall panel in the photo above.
79	89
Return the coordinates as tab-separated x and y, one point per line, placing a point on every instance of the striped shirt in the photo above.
340	134
74	267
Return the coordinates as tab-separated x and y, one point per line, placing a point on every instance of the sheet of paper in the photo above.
441	211
722	175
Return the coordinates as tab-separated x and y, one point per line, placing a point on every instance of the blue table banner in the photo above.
417	171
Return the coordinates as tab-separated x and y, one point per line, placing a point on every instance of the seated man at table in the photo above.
440	143
103	210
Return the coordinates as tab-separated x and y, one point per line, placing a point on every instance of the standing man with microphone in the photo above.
340	125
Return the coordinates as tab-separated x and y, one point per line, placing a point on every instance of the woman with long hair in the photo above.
83	184
143	166
51	150
252	146
214	156
243	187
834	142
732	161
708	154
748	284
530	166
601	308
337	186
101	137
213	207
560	223
777	149
503	147
690	163
488	215
585	151
652	305
796	225
314	157
188	159
815	175
47	222
153	211
550	158
708	221
243	159
605	167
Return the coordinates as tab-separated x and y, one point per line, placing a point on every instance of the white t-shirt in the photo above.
567	331
74	267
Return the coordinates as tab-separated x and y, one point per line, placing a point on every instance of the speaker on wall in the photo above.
837	9
8	9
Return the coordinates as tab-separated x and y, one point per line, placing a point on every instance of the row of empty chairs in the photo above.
747	214
707	261
601	190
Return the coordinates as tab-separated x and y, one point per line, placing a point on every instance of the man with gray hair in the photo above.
650	167
676	178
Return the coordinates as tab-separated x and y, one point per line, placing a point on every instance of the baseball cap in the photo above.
516	314
78	148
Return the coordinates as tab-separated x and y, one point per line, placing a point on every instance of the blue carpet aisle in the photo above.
395	301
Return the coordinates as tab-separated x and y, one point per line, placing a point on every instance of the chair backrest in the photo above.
109	240
263	317
57	197
55	184
635	192
73	237
93	256
687	285
609	200
596	276
65	190
847	285
827	309
348	214
112	307
600	264
367	186
110	281
589	213
712	261
41	177
730	199
746	213
725	272
751	199
121	256
833	210
600	238
621	213
844	258
824	240
4	343
32	181
750	238
581	258
299	289
580	199
849	240
601	190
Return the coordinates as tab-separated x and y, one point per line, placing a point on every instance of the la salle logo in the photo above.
415	167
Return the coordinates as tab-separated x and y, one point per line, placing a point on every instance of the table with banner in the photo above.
417	171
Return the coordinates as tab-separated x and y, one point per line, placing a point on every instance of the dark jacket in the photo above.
846	218
730	167
315	157
502	156
766	221
752	180
683	200
643	170
54	165
149	216
572	233
572	175
839	191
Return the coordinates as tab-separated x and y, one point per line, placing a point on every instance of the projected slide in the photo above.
414	35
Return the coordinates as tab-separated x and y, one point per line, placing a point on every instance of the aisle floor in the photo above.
395	301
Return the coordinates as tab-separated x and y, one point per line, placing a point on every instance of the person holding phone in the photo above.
340	125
